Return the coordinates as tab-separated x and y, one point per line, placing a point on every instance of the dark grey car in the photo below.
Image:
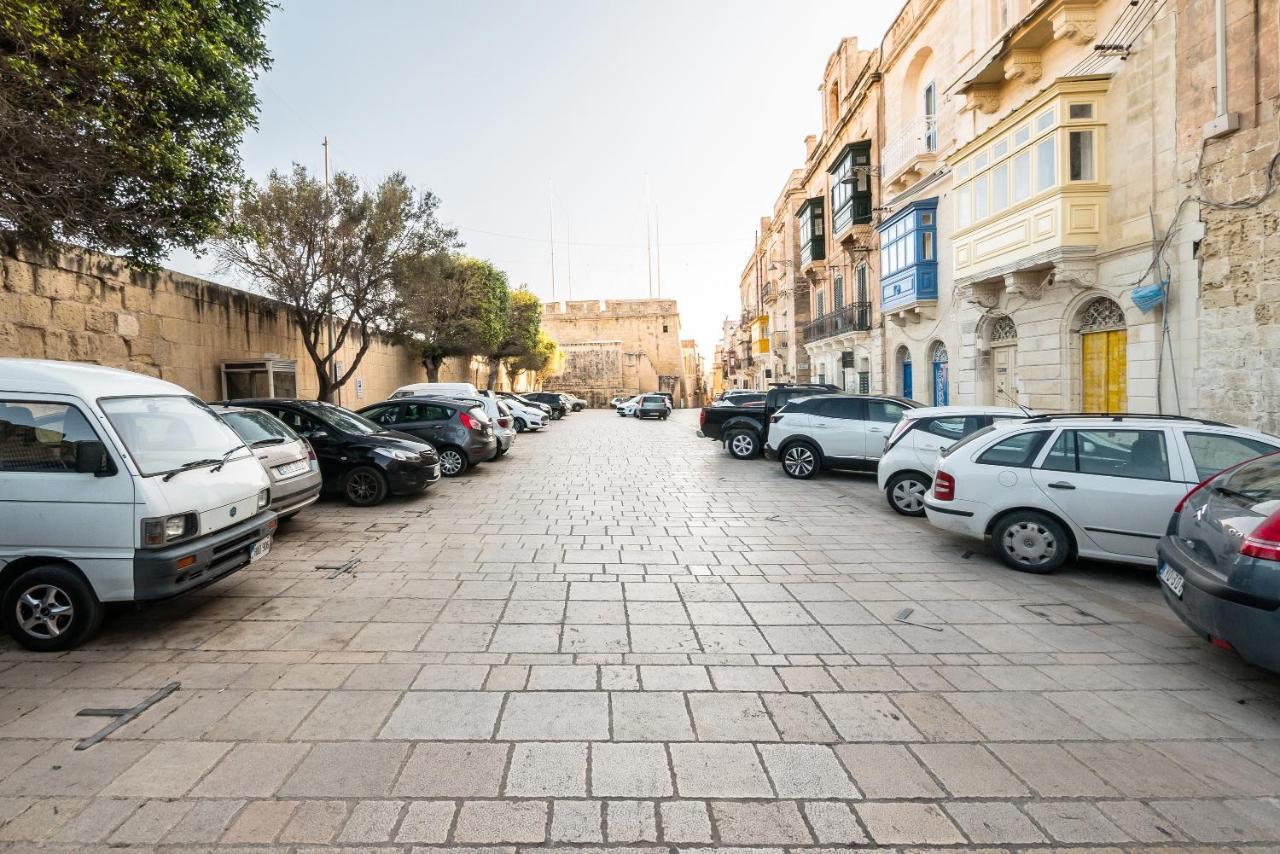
1219	564
461	434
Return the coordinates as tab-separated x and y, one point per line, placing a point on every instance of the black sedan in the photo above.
1219	563
550	398
358	459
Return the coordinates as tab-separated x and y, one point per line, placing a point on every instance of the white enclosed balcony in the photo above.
910	154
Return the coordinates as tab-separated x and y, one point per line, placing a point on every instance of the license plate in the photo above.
1172	579
260	549
292	468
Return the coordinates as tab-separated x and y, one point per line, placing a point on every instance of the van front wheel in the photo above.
50	609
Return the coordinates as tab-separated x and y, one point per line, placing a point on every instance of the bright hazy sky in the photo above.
492	104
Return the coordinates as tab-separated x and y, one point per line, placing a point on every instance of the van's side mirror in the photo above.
92	458
317	435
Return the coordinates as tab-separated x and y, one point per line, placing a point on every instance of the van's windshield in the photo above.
166	434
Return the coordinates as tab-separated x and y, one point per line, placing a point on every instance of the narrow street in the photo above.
619	635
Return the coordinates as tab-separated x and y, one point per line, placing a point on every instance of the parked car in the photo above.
288	459
905	471
628	407
744	429
526	402
1055	487
525	416
458	429
115	487
1219	563
653	406
833	431
419	389
576	404
552	400
360	460
741	398
488	403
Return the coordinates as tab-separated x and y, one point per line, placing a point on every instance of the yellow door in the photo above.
1104	371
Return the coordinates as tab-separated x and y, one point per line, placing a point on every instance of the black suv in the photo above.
556	401
744	429
359	459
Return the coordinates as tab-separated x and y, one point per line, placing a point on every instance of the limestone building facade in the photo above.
618	347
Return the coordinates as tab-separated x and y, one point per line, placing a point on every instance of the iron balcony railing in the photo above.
919	137
855	317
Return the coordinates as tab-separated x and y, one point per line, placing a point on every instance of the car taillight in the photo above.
944	486
702	418
468	422
1264	541
311	452
504	422
899	430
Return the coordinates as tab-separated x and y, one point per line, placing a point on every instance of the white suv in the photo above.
905	471
833	431
1053	487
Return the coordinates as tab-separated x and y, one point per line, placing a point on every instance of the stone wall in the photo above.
94	308
1235	364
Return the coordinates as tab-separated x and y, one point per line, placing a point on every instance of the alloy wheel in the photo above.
908	496
1030	543
450	462
799	461
45	611
742	445
362	487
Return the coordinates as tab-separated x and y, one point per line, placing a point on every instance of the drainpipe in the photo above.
1224	122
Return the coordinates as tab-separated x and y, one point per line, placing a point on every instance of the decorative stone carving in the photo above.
1025	283
1076	22
984	99
1076	274
1023	65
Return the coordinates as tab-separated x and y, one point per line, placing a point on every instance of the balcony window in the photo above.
813	244
837	290
1080	148
1021	176
908	255
822	304
1000	188
851	187
1046	163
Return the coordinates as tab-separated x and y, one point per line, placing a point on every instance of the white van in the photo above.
422	389
115	487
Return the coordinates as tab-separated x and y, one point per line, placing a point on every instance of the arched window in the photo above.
1100	315
1003	330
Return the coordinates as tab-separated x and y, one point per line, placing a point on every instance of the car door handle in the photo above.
875	430
1062	484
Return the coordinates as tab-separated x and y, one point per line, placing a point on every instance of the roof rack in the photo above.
1121	416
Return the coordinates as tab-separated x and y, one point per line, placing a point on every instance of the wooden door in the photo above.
1004	375
1104	371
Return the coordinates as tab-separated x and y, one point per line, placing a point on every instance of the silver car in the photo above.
287	458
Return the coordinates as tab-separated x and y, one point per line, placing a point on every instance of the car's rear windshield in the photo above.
1256	484
259	428
976	434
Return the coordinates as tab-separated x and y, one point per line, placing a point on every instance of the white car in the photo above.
832	431
526	417
905	471
528	404
428	389
1054	487
628	407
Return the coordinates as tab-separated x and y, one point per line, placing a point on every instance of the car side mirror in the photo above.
92	458
317	435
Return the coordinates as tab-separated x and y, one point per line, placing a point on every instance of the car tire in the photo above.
1031	542
800	460
742	444
905	492
453	461
51	608
521	425
364	486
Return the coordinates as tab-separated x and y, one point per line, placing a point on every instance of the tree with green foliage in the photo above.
335	257
120	120
543	357
451	306
522	322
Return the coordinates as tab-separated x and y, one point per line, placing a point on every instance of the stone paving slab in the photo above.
658	649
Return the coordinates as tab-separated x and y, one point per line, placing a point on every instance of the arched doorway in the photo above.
1003	339
938	361
904	370
1104	357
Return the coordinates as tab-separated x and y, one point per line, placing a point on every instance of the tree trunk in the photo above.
495	364
433	370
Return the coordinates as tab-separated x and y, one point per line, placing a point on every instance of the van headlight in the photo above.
162	530
264	498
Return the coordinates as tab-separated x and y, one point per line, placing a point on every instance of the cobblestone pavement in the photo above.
619	636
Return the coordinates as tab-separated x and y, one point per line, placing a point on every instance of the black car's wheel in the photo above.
742	444
556	415
1031	542
521	425
800	460
906	492
51	608
453	461
364	486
